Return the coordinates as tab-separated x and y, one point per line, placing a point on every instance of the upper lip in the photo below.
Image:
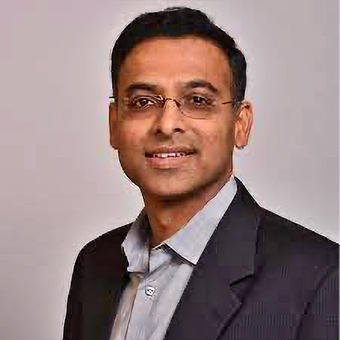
169	149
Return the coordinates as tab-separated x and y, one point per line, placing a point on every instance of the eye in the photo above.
198	102
142	102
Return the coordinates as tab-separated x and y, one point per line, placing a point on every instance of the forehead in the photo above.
170	62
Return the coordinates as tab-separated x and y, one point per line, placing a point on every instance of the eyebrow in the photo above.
200	83
142	86
192	84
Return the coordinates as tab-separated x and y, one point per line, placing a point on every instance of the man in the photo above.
202	261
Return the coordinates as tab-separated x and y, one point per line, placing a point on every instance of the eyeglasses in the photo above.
193	106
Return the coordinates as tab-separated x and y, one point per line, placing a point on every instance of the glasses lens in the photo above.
198	107
141	105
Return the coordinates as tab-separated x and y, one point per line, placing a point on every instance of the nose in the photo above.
170	120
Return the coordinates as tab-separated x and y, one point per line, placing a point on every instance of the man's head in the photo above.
180	22
181	147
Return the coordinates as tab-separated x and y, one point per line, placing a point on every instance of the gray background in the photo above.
60	183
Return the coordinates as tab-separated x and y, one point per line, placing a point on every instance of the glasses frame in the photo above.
162	101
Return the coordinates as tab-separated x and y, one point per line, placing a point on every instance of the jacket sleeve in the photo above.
74	303
321	319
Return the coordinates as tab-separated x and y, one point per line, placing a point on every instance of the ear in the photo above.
243	124
113	123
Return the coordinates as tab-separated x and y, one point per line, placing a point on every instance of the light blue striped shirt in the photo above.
159	276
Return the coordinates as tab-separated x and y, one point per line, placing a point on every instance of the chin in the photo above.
167	194
177	186
175	192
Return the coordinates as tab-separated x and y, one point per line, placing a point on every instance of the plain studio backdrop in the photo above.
60	182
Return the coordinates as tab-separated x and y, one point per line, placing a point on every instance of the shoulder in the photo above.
107	240
283	241
290	244
105	249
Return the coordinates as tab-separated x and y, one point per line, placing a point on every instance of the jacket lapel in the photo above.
223	273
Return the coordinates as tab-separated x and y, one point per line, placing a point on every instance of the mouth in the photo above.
168	154
165	158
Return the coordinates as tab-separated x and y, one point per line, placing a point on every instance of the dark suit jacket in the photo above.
260	277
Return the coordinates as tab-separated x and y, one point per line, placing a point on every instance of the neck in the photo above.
167	216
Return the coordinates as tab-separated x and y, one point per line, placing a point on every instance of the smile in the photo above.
168	160
171	154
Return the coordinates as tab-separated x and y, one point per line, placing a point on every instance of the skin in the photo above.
175	191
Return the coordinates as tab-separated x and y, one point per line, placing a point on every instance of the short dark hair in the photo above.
179	22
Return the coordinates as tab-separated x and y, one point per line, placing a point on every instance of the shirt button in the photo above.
149	291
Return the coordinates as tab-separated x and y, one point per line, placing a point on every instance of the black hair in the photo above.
179	22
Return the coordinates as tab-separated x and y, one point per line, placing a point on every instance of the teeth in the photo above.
171	154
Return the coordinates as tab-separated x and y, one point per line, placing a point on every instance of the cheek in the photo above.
130	152
219	140
130	137
129	147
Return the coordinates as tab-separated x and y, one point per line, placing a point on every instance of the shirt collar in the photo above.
189	242
136	245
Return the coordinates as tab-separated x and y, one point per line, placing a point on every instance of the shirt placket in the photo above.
143	321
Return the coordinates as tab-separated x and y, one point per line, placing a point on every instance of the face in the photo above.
170	155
